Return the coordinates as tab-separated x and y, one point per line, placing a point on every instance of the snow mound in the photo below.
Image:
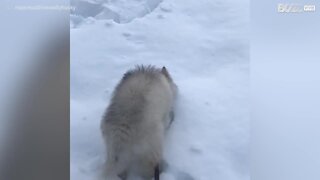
120	11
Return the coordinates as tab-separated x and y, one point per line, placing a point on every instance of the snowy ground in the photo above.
204	45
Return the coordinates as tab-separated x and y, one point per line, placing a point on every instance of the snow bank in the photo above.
120	11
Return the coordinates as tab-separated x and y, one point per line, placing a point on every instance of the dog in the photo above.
136	121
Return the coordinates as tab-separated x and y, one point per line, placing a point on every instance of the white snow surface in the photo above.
204	45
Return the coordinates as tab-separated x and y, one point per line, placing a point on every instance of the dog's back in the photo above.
135	122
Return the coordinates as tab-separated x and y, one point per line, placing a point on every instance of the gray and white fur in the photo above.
135	123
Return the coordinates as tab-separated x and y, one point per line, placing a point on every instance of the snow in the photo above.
204	45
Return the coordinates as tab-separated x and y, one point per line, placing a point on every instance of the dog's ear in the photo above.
165	72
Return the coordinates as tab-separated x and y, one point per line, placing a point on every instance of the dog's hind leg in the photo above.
157	173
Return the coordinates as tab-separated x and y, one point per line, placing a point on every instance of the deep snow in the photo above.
204	44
